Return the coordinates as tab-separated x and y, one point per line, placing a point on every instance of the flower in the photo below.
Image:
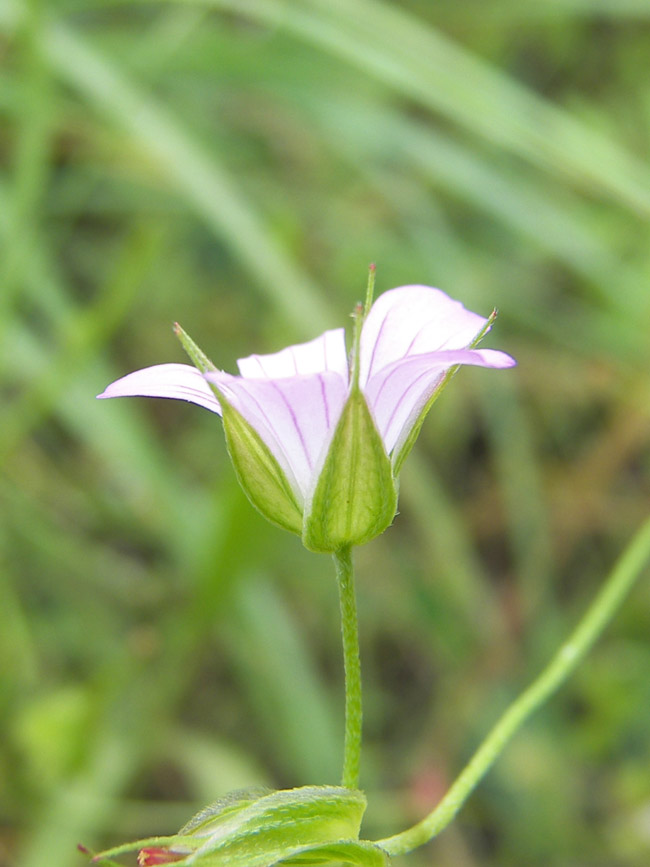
318	441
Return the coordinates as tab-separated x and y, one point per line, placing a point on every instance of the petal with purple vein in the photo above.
295	417
399	393
175	381
413	320
326	352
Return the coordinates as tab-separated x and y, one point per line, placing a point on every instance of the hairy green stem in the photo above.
350	633
596	618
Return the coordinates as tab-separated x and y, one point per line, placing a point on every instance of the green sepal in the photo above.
263	480
260	475
355	498
199	359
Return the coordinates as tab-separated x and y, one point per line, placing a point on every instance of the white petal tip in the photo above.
175	381
499	359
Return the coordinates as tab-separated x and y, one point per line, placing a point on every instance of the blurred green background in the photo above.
236	166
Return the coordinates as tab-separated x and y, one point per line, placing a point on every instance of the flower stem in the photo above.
350	634
596	618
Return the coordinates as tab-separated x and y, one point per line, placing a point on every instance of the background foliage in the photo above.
235	164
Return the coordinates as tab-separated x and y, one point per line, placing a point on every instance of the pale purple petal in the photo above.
176	381
295	416
398	393
326	352
413	320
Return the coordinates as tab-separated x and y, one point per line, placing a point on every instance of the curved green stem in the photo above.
350	633
596	618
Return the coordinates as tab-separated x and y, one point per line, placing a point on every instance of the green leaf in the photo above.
251	828
355	498
343	852
203	822
280	825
